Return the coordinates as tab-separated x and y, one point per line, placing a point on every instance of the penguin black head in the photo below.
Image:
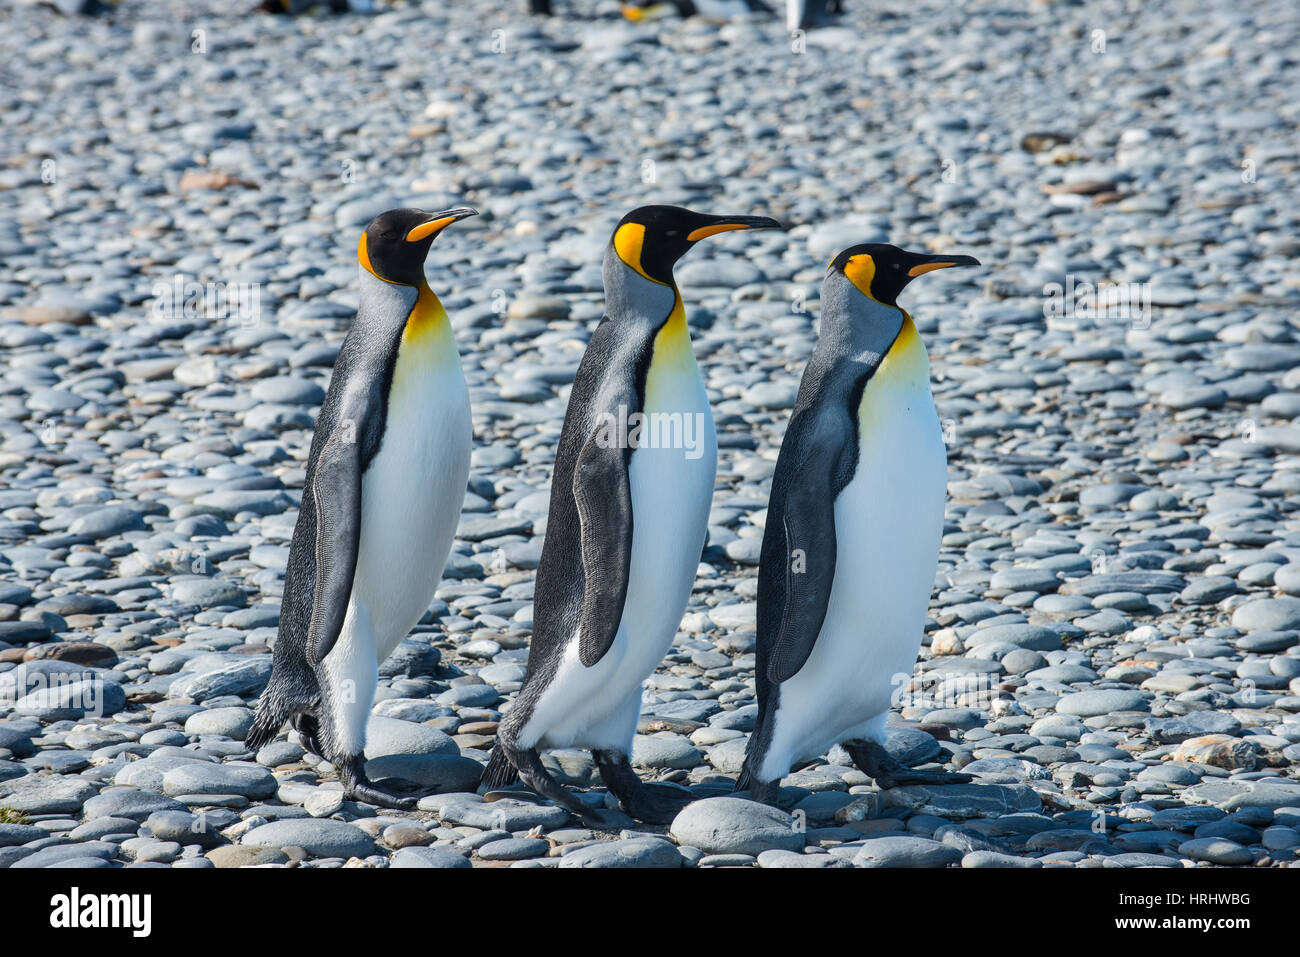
651	239
395	243
880	271
638	10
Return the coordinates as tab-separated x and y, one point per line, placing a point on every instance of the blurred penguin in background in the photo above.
799	15
291	7
72	8
804	14
718	10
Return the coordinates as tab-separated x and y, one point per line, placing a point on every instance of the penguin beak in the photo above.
925	264
438	222
725	224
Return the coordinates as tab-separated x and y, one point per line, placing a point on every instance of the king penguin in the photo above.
630	499
851	542
803	14
292	7
385	481
719	11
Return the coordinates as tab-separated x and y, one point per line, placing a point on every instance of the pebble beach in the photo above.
1113	643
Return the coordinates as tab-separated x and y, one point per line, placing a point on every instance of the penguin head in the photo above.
641	10
880	271
651	239
395	243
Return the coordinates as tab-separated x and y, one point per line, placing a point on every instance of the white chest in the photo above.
413	489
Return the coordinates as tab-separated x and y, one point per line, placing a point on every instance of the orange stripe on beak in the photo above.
424	230
927	267
705	231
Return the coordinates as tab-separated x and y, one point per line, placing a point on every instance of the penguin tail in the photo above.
277	704
499	772
270	719
743	782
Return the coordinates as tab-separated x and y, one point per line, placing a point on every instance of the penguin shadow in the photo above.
596	814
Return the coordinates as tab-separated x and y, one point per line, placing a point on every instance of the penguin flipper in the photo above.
808	521
603	493
336	488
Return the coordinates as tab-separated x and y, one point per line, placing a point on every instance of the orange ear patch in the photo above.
861	270
363	256
628	242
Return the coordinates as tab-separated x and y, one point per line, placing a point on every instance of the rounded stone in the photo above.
394	736
437	857
319	837
1268	614
905	851
632	853
232	722
1098	702
1216	850
514	849
727	825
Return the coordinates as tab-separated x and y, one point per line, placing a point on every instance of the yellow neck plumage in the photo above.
428	320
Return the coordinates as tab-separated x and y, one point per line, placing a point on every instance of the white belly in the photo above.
888	522
672	488
413	490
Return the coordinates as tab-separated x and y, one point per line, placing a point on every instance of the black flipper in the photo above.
337	493
809	523
603	494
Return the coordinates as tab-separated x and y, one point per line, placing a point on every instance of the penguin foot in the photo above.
308	728
656	803
913	776
606	819
651	803
390	792
764	792
534	774
874	761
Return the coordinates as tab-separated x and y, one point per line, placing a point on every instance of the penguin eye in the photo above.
672	233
